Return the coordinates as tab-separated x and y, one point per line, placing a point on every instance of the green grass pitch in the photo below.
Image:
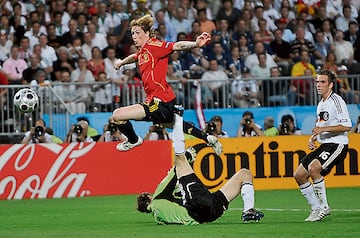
115	216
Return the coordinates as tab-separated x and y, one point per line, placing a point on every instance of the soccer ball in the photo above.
26	100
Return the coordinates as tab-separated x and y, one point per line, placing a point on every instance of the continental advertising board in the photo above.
94	169
272	161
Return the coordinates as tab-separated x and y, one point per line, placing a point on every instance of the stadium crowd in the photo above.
78	42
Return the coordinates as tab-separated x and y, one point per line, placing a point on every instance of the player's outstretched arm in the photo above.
201	40
127	60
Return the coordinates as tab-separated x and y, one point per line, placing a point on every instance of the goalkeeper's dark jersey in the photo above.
166	204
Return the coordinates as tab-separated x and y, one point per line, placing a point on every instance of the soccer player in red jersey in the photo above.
152	58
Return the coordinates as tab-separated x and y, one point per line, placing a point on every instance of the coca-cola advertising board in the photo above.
81	169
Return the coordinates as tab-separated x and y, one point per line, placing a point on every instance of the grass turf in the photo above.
115	216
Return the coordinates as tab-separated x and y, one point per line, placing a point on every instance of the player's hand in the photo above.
311	143
117	64
202	39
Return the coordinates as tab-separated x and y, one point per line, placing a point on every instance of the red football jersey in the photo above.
153	63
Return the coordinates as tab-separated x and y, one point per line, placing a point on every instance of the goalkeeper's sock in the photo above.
320	191
128	130
178	136
248	195
194	131
307	191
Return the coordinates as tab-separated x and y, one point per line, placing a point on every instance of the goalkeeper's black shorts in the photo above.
201	205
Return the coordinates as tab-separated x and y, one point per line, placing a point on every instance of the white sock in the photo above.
178	135
248	195
307	191
320	191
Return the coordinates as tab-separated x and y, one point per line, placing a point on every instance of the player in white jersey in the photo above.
332	125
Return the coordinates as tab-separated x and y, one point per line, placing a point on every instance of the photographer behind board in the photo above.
287	126
37	134
111	133
78	133
248	127
157	132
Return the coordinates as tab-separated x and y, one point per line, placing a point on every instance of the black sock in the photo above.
128	130
192	130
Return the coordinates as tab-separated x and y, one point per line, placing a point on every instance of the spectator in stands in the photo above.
140	10
352	34
206	25
103	93
44	15
281	50
241	29
244	48
214	80
37	134
219	127
195	31
223	59
343	87
6	28
229	13
171	32
301	44
18	21
248	127
105	21
69	36
304	63
266	35
87	46
121	20
75	49
322	47
96	64
342	22
80	76
330	62
81	21
303	86
328	31
180	23
60	27
67	92
262	70
64	61
53	40
343	49
277	92
48	53
245	91
235	53
29	72
269	126
78	133
288	127
115	76
5	48
195	64
258	15
253	59
24	49
97	39
14	66
32	18
113	43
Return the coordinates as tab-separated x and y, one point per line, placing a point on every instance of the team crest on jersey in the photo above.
324	116
144	58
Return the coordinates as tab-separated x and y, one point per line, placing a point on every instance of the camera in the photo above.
112	127
247	121
285	128
78	129
211	128
39	131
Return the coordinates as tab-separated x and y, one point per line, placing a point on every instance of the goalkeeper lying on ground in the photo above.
181	198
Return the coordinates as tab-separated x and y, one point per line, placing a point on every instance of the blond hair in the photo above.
146	22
